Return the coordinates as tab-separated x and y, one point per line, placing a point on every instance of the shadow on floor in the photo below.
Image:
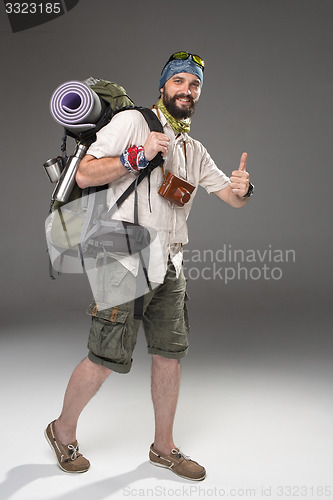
21	476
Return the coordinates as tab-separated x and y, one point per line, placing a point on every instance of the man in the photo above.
115	159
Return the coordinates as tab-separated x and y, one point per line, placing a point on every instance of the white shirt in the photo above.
129	128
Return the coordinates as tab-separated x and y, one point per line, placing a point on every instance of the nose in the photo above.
187	89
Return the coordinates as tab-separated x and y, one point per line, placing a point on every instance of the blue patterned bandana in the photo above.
180	66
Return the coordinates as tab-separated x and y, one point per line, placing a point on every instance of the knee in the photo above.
167	362
99	370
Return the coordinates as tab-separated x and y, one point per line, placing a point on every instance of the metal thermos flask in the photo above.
67	179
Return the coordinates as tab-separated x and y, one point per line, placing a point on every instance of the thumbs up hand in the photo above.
240	179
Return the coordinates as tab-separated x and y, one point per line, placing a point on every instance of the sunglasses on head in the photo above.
186	55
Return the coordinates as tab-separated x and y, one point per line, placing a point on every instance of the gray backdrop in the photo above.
268	91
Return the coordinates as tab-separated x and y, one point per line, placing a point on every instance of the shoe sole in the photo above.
58	463
170	468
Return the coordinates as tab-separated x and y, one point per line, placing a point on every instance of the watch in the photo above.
249	191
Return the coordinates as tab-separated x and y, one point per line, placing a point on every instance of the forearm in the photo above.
97	172
232	199
236	201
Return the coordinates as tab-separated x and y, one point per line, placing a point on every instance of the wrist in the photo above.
134	159
249	191
142	161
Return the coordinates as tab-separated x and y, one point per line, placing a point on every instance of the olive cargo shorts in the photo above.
113	331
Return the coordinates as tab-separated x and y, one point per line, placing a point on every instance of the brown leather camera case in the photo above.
175	189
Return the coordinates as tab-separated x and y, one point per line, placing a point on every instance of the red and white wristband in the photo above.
134	159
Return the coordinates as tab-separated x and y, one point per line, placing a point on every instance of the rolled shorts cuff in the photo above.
116	367
168	354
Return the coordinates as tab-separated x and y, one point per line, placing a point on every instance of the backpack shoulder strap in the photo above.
151	118
154	125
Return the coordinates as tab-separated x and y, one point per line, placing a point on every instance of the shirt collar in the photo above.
165	123
161	117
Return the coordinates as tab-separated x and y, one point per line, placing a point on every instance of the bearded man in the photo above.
123	148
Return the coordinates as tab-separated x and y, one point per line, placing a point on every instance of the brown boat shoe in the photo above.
68	456
179	463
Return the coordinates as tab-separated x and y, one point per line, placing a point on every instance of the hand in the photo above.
240	179
156	143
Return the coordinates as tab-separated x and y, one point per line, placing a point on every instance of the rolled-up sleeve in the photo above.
122	132
211	177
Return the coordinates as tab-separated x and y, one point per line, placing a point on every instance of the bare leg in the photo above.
165	387
83	385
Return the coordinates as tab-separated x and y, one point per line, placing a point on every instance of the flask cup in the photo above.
53	168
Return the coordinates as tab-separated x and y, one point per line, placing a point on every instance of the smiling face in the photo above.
180	95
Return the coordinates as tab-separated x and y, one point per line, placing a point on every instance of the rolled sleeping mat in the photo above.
75	106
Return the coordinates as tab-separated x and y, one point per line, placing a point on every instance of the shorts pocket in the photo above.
108	333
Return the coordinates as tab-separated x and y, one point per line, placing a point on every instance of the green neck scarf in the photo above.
178	126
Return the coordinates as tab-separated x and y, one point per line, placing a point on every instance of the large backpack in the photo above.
79	228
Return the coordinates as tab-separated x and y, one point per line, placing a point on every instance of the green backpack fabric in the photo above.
68	220
112	93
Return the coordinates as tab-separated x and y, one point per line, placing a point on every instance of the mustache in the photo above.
186	96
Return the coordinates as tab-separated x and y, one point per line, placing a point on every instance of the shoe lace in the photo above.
73	451
179	454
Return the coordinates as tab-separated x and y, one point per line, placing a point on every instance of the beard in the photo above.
175	110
